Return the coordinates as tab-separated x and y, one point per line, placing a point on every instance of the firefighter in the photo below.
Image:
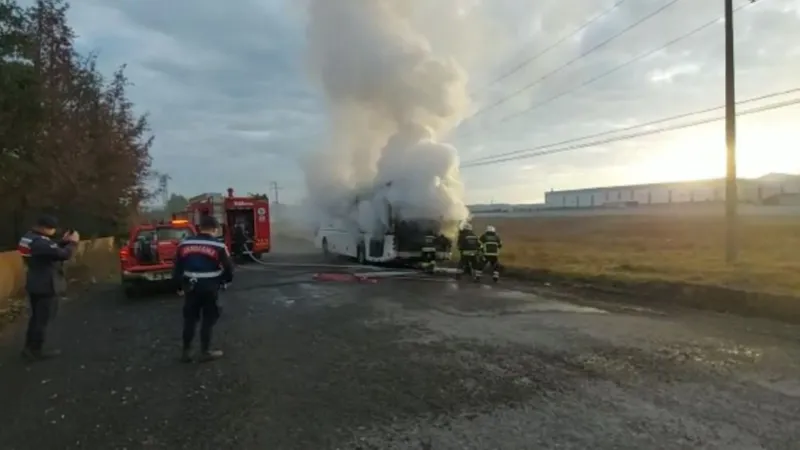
44	282
429	253
203	266
239	240
443	244
491	245
468	246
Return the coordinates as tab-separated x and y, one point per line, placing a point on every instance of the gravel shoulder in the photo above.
402	364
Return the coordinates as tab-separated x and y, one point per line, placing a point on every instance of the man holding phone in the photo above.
45	283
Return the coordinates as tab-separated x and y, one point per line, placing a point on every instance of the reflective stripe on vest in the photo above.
202	274
24	247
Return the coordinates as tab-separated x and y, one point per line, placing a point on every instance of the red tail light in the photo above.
125	257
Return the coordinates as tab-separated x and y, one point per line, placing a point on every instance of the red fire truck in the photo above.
148	256
250	213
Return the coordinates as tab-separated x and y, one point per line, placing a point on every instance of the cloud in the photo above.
686	76
232	103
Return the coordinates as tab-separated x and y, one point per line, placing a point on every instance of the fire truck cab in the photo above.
249	214
147	258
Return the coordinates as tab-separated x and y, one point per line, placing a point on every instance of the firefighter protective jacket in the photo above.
468	243
491	243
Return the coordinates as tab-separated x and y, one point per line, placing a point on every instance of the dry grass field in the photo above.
652	248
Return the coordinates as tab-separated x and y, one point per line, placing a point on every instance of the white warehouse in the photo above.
761	190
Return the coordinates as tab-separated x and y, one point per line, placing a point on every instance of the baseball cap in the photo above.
47	221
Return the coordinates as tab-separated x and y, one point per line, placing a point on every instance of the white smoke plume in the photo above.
390	99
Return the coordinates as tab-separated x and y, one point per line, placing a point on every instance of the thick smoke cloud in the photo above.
390	99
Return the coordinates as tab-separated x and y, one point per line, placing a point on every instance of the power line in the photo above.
769	107
630	128
535	57
573	61
621	66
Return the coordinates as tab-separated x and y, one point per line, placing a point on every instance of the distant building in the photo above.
490	208
768	189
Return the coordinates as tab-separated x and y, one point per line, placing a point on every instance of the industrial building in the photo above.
769	189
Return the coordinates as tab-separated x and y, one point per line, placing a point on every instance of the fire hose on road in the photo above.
249	253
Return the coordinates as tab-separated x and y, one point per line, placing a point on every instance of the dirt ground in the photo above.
407	362
688	249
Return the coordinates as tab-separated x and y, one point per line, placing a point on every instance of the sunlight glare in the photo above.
762	148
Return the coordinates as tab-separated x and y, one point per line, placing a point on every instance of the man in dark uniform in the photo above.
202	266
491	244
45	283
468	247
239	240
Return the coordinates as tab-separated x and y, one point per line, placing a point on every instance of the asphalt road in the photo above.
404	363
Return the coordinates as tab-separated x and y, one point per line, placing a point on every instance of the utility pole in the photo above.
163	186
731	190
276	189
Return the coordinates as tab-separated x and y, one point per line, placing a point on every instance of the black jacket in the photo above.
44	259
491	243
468	241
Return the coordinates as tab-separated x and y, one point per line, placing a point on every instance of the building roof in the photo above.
769	178
641	186
778	177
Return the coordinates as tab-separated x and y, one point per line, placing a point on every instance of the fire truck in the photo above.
249	213
148	256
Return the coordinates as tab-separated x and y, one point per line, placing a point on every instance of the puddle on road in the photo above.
278	297
537	303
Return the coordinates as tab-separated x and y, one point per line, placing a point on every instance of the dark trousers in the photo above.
238	248
468	262
203	307
493	262
43	309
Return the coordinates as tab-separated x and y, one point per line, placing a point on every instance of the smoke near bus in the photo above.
390	99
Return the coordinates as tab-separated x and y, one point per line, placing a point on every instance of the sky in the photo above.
232	101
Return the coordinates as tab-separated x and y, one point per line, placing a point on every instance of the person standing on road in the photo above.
239	240
202	266
44	282
491	244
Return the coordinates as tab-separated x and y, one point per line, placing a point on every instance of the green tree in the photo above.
70	142
176	203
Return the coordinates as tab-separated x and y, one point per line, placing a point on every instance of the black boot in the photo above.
186	356
32	354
